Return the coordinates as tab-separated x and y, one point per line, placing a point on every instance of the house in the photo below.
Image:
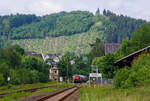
32	53
127	60
54	74
54	59
111	47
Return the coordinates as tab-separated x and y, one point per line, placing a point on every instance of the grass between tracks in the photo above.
20	95
13	88
109	93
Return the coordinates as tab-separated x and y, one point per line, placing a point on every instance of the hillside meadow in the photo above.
77	44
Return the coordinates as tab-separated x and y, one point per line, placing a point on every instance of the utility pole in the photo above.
71	62
67	73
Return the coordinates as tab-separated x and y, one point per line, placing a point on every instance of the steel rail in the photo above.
65	97
59	92
25	90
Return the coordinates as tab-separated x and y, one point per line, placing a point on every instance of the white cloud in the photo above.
44	7
39	7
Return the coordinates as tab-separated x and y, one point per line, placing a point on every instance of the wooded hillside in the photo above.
109	26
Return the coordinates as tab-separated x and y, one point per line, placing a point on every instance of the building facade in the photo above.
54	74
111	47
52	60
128	60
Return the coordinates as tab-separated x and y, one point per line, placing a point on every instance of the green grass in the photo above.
21	95
78	43
108	93
15	96
6	89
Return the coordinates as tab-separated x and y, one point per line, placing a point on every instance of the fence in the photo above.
105	81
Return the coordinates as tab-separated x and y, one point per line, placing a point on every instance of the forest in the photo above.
20	68
136	75
20	26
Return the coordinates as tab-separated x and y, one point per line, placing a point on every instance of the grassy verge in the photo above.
13	88
108	93
21	95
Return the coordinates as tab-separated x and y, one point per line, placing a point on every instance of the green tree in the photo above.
80	66
97	12
11	56
4	69
120	77
105	65
104	12
140	39
97	50
137	75
21	69
15	78
36	64
126	47
65	66
2	80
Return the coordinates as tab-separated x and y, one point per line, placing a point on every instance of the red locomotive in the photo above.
79	78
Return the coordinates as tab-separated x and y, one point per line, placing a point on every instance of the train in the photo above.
79	79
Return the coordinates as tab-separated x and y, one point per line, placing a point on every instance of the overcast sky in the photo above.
133	8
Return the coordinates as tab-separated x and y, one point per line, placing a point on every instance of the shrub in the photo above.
14	77
2	80
34	76
120	77
43	78
138	75
105	65
140	71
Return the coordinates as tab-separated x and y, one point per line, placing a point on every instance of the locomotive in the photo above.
79	79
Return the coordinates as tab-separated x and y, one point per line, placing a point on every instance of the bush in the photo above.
140	72
2	80
25	76
34	76
138	75
105	65
21	69
120	77
9	85
43	78
14	77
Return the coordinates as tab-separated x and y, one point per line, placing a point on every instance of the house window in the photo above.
55	72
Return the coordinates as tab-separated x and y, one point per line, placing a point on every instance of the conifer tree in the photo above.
104	12
98	12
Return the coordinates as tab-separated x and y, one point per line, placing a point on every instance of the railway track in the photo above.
25	90
68	94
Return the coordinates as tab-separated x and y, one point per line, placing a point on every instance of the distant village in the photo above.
54	72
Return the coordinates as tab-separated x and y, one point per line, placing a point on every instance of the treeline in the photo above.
138	74
71	65
22	26
9	23
20	68
31	26
120	26
140	39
